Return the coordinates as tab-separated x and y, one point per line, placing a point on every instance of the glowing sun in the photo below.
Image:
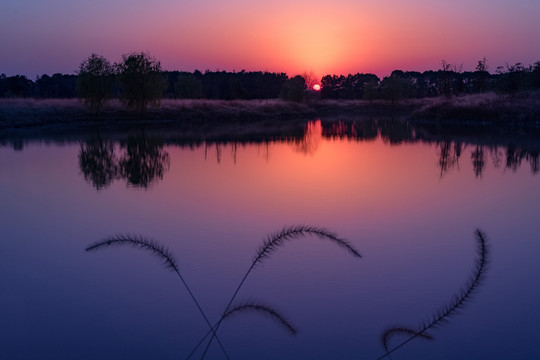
317	87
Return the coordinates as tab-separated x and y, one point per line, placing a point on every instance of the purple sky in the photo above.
337	37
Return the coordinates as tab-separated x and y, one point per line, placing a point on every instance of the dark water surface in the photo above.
408	199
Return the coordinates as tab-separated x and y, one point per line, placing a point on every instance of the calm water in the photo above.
409	201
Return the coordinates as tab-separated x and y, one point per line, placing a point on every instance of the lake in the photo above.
409	198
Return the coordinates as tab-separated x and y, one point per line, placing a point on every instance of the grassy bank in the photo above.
23	113
522	109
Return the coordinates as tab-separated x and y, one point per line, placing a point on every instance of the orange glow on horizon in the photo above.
333	167
294	37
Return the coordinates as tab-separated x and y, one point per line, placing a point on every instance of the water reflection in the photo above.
363	130
141	159
449	146
144	161
141	162
309	144
413	227
478	161
449	154
515	155
98	162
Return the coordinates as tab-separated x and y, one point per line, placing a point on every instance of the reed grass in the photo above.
450	309
270	245
264	309
275	241
398	330
167	259
251	306
139	242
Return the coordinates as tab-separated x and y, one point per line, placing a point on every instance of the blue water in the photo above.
211	204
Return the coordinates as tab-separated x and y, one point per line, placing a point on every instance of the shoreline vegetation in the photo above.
510	146
501	110
137	91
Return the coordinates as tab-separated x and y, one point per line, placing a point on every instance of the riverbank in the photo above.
70	114
44	113
518	110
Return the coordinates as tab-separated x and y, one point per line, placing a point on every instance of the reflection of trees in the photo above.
144	161
395	131
512	157
496	156
449	154
97	162
478	161
448	151
534	161
515	156
365	129
309	144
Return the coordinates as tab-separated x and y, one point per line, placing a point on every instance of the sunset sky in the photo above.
292	36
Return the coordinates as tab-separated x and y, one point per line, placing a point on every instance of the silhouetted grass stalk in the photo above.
452	307
165	256
397	330
258	307
251	306
271	244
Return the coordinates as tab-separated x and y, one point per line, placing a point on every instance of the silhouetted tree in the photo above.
17	86
329	86
458	81
536	75
271	84
294	89
3	85
445	81
141	80
235	89
481	76
310	80
56	86
371	89
352	86
515	75
513	78
188	86
394	87
95	82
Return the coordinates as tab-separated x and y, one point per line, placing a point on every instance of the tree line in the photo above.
139	81
448	81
